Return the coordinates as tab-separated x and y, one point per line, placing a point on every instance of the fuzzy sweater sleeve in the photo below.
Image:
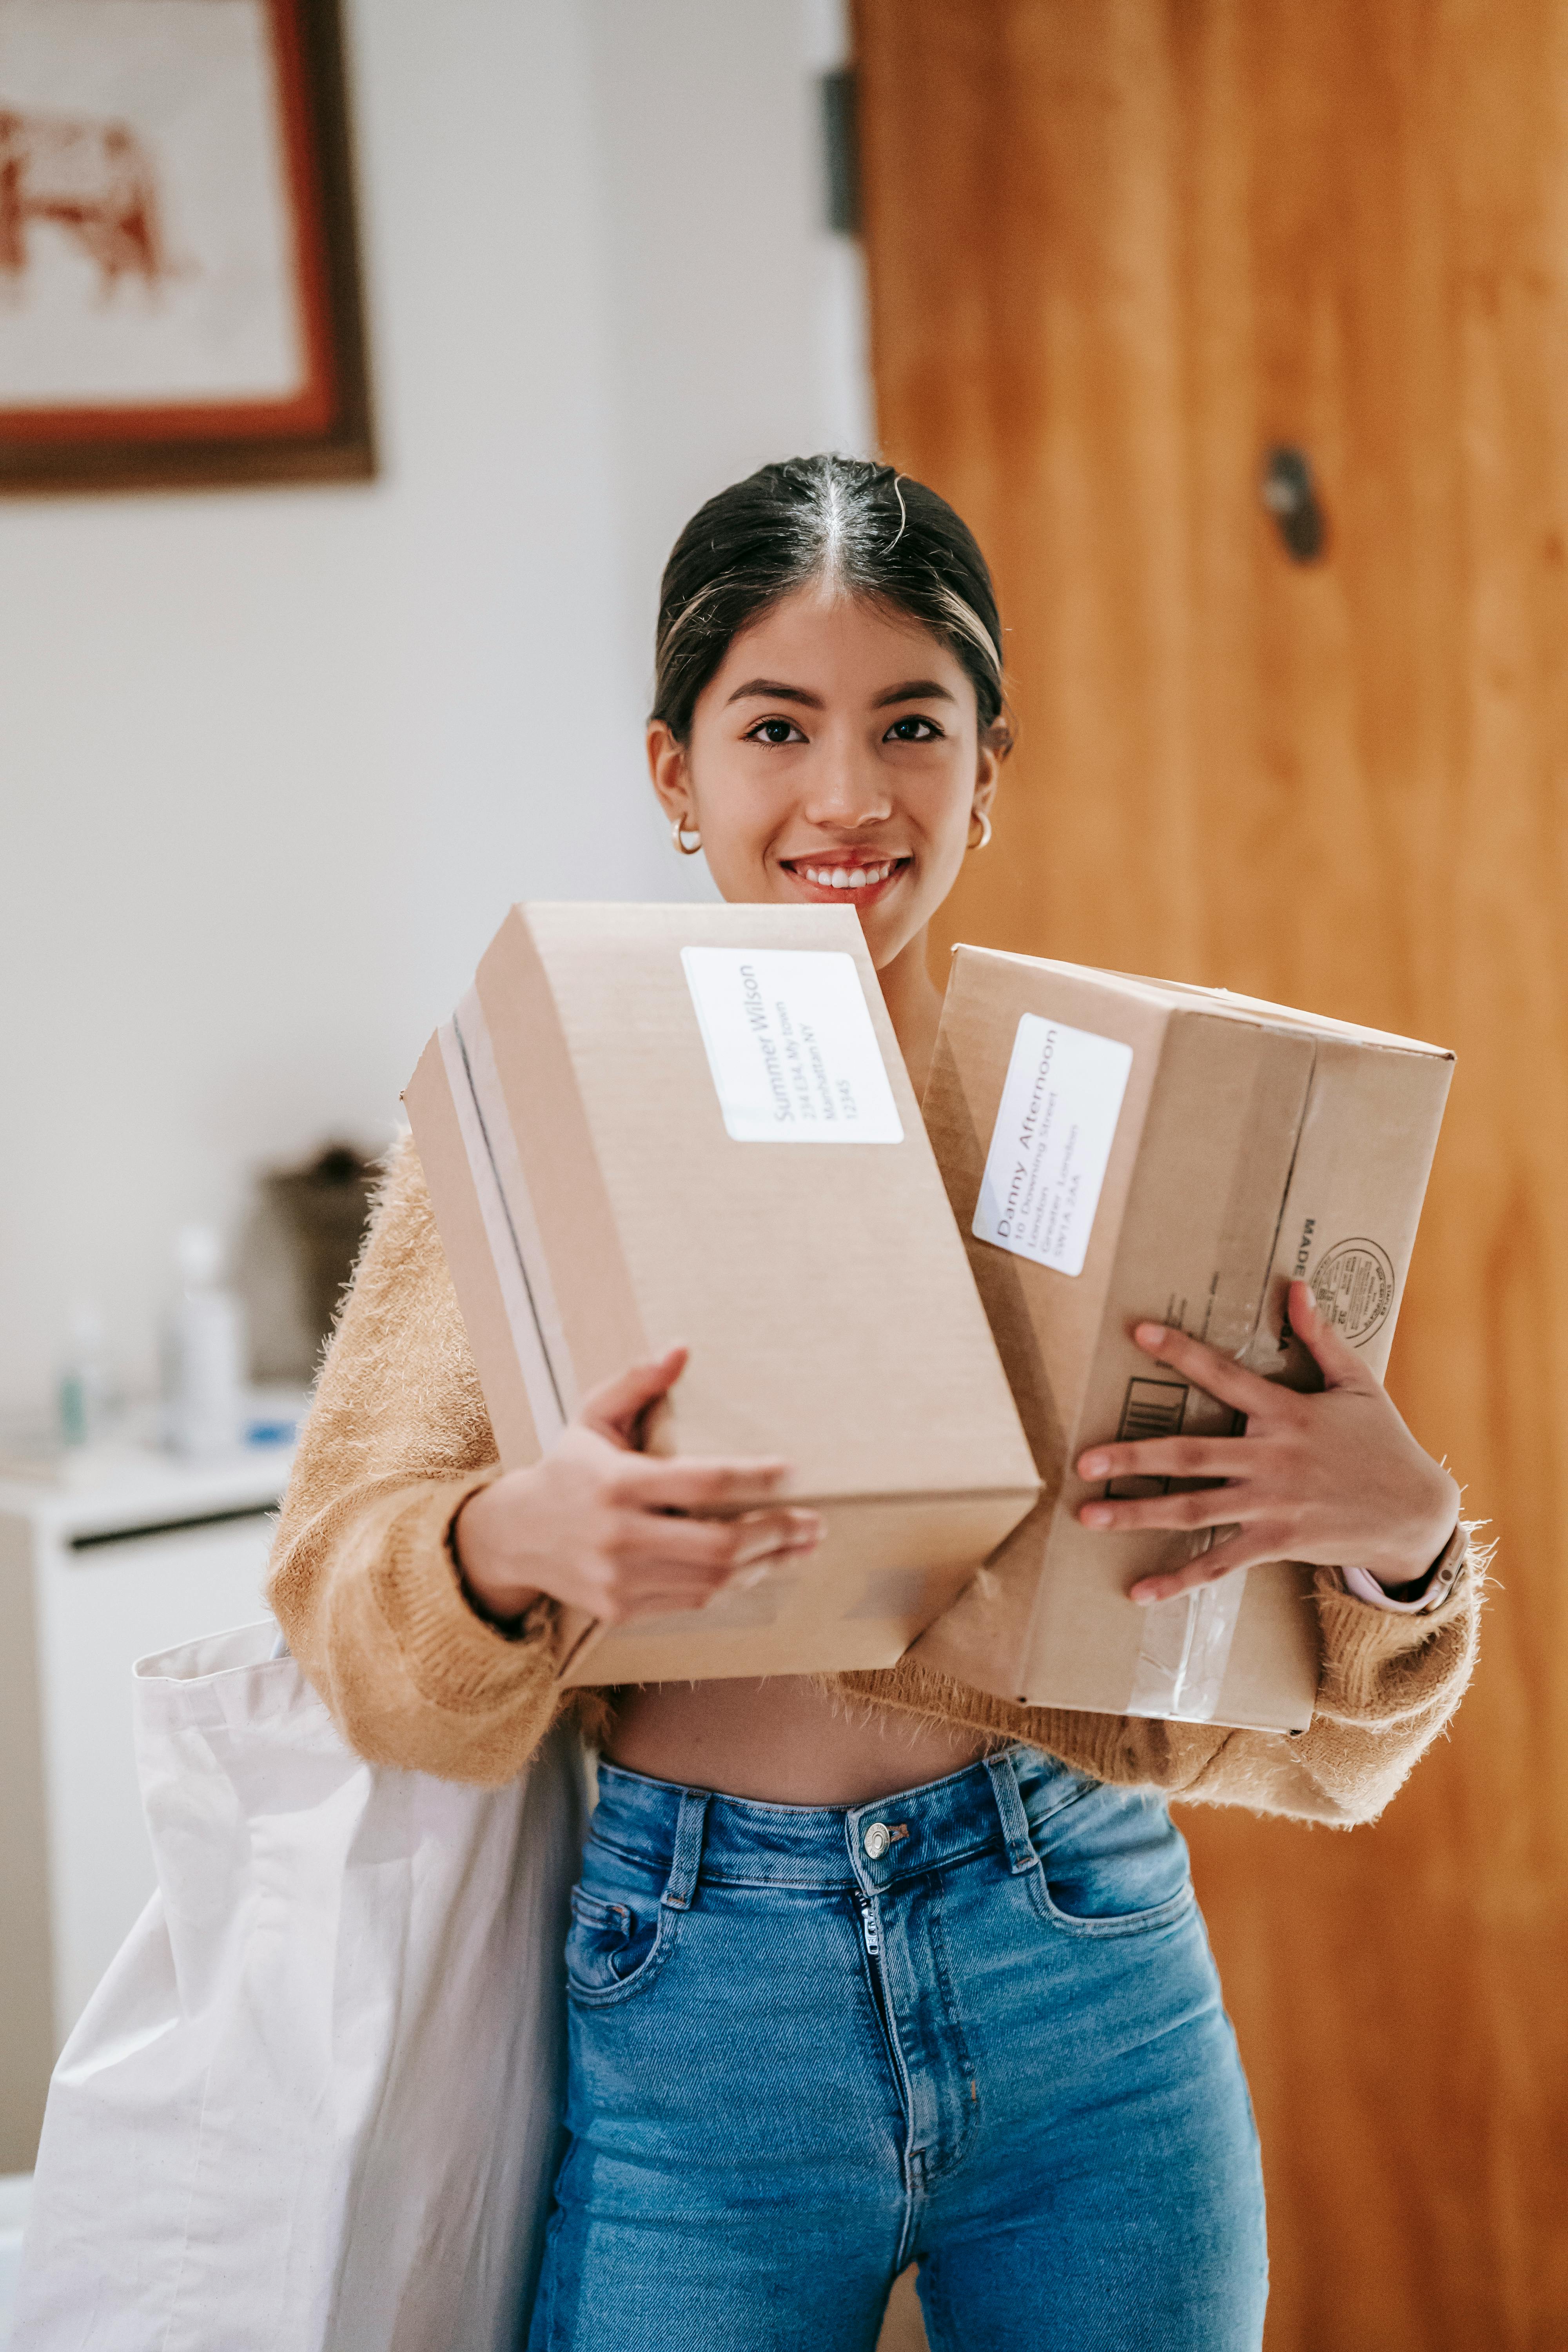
1388	1686
362	1579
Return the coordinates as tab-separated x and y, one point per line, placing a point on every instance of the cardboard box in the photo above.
655	1123
1117	1149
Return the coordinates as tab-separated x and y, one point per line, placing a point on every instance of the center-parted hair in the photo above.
846	523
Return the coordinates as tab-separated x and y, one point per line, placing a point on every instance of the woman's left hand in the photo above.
1334	1479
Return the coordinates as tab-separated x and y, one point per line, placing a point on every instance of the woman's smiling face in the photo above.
834	758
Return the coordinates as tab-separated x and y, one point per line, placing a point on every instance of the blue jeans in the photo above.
975	2026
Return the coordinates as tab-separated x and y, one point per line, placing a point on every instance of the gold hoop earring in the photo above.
984	823
678	835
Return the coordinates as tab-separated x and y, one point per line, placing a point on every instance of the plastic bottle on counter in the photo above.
84	1383
203	1352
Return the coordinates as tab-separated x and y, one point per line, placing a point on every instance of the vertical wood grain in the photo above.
1117	248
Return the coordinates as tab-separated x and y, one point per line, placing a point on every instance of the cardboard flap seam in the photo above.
545	1357
1284	1204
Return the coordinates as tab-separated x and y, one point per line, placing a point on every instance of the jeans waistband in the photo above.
694	1835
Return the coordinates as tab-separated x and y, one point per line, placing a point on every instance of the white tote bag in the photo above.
313	2107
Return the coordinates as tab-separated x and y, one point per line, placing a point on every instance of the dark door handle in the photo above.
1290	495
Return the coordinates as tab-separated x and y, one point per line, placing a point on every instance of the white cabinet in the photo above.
89	1583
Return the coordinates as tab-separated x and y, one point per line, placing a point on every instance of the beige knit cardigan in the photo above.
365	1588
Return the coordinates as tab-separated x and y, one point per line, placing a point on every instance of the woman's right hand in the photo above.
603	1527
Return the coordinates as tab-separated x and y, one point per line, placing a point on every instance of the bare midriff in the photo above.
783	1741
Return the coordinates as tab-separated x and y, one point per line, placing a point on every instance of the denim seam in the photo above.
760	1805
931	1867
1113	1924
943	1961
550	2270
655	1864
658	1863
611	1996
1054	1812
585	1905
936	2309
885	2027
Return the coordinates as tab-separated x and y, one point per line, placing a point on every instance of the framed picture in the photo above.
179	280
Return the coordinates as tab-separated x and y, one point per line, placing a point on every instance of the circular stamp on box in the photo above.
1353	1284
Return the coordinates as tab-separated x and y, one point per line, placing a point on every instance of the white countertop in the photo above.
127	1486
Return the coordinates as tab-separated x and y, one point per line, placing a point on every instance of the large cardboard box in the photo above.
1117	1149
647	1124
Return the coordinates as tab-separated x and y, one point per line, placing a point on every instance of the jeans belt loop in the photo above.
687	1859
1004	1771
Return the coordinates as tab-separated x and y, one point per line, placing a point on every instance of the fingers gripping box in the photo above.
647	1124
1118	1149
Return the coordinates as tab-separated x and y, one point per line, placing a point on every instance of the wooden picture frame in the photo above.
180	298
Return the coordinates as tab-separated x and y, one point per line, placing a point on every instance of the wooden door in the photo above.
1119	250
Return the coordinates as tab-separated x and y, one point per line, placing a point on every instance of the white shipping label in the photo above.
790	1043
1051	1142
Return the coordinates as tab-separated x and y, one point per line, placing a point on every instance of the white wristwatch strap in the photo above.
1364	1586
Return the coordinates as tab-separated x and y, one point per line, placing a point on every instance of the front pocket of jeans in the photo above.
1112	1864
1109	1923
612	1950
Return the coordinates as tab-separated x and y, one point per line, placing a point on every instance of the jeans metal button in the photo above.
877	1840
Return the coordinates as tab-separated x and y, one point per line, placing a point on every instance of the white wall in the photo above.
273	762
733	312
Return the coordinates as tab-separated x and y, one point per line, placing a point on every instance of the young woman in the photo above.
865	1970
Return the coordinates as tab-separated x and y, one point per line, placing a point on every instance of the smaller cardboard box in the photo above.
1118	1150
647	1124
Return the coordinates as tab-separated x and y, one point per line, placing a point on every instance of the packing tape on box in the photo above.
532	1316
1186	1648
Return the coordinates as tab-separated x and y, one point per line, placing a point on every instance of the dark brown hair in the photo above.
861	527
